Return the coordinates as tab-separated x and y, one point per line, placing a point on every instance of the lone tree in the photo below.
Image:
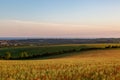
7	55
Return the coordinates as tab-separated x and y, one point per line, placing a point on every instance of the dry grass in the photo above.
110	53
89	65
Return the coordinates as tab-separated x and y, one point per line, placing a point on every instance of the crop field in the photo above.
41	51
15	51
61	69
68	68
86	65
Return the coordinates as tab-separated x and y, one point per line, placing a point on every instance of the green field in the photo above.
51	50
103	64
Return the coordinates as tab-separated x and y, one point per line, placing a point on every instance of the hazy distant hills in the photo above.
67	41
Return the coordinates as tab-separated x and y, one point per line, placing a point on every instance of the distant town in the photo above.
5	43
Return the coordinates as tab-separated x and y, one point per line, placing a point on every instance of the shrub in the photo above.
7	55
24	55
108	46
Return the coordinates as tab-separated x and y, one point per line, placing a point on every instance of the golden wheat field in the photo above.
88	65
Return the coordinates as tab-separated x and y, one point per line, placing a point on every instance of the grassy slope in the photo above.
114	53
107	53
32	50
89	65
86	65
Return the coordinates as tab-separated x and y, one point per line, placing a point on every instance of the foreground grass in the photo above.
68	68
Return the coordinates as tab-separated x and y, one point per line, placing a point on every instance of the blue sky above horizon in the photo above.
75	18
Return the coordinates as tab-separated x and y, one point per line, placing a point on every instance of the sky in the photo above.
60	18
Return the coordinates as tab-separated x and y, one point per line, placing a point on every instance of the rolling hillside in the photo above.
111	53
86	65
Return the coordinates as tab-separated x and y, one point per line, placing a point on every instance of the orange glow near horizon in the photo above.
18	28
